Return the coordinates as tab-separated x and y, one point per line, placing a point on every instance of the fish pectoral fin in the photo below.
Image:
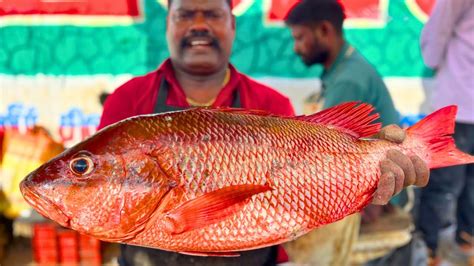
210	208
211	254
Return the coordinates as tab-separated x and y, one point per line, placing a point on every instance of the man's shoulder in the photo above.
134	91
358	66
263	97
262	90
359	73
138	81
130	99
135	88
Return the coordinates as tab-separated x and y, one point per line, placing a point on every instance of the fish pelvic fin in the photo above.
210	208
435	131
353	118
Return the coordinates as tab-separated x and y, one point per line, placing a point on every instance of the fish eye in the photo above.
81	165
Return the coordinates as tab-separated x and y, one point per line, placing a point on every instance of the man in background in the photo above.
447	44
317	30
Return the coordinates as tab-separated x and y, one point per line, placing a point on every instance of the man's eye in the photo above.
212	15
185	15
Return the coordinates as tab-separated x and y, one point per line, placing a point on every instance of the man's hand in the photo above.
398	170
372	212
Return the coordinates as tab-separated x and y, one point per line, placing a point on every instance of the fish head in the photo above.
103	187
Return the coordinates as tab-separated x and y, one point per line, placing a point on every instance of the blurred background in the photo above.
59	60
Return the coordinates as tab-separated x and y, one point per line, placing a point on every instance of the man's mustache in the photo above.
199	34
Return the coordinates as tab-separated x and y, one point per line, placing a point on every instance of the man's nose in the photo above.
200	23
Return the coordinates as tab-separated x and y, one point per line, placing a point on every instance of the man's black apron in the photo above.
141	256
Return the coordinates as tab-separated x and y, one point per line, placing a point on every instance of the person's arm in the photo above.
439	29
116	106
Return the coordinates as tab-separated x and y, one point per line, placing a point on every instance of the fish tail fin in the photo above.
435	131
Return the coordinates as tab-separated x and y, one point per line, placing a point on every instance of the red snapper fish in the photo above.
215	182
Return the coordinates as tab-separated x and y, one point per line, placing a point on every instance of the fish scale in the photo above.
209	182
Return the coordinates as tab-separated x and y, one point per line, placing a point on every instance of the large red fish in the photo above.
214	182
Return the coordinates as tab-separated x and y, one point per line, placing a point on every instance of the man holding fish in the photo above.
200	36
198	73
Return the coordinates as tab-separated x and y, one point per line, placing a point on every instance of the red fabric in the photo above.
282	256
138	96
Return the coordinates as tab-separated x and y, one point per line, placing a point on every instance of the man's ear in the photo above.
317	31
233	21
326	28
323	30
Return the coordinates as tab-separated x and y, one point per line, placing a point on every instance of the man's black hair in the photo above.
311	12
228	2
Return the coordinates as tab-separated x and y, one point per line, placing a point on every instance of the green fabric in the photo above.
352	78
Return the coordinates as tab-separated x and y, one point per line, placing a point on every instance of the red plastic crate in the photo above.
46	257
53	244
90	250
44	243
44	227
68	246
44	230
87	242
67	235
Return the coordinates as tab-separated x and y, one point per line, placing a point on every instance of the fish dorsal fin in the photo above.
210	208
353	118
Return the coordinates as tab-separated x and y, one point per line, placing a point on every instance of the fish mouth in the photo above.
44	206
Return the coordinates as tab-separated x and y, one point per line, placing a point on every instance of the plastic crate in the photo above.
90	250
68	246
44	243
53	245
